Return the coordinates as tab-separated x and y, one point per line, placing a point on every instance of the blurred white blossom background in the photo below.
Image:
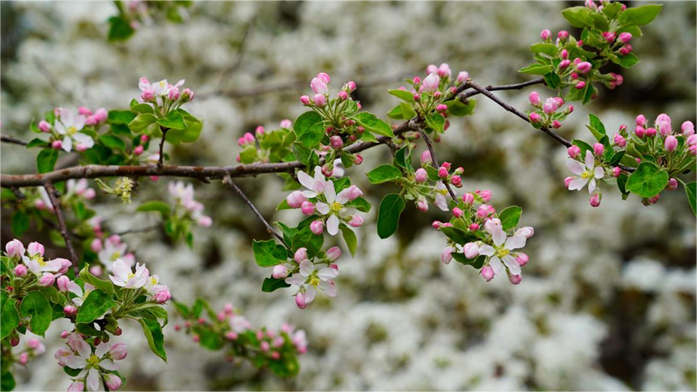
607	301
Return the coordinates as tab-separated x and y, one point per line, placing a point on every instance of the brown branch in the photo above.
12	140
516	86
53	196
228	181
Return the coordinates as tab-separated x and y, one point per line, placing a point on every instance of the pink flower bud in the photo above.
598	149
70	310
534	98
474	227
619	140
442	108
573	151
324	77
23	358
564	64
351	85
616	171
563	35
692	140
259	131
162	296
343	95
664	124
195	338
564	54
118	351
609	37
57	145
625	37
47	279
442	172
580	85
567	181
545	34
336	142
462	77
651	132
671	143
446	256
333	253
44	126
485	195
426	158
570	109
422	205
431	83
471	250
317	227
300	255
515	279
307	208
556	124
77	386
112	381
688	128
62	283
458	212
584	67
305	100
296	199
535	117
138	150
319	87
456	181
147	96
320	100
96	270
420	176
231	335
641	120
20	270
595	200
640	131
654	200
522	259
354	192
14	248
188	95
300	300
487	273
672	184
468	198
280	271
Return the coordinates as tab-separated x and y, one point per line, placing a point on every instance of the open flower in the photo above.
95	365
335	205
309	279
501	251
124	277
113	250
36	263
69	127
441	200
314	185
587	174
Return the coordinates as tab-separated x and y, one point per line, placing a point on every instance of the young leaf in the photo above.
578	16
119	29
268	253
458	235
141	122
545	48
309	129
273	284
510	216
373	124
403	95
9	319
174	120
113	142
104	285
123	117
407	111
153	333
306	239
384	173
628	61
46	160
648	180
390	209
20	223
691	191
36	306
95	306
641	15
536	69
350	238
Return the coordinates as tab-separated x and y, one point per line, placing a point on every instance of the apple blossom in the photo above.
123	277
69	127
309	279
587	174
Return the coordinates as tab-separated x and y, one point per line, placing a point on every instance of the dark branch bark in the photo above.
53	196
12	140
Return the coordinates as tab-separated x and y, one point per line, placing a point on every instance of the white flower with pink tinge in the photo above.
335	207
316	185
500	254
124	277
69	127
587	174
78	355
441	200
36	263
309	279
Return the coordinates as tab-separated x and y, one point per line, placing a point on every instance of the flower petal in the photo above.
577	184
93	380
499	236
515	242
486	250
512	264
310	293
108	364
306	268
495	264
306	181
329	192
323	208
327	273
599	172
333	225
342	197
590	159
575	166
591	186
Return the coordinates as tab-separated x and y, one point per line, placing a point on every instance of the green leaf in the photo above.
477	262
536	69
403	95
309	129
402	158
640	15
396	113
306	239
373	124
46	160
628	61
8	381
104	285
113	142
350	238
459	109
458	235
174	120
510	216
436	122
119	29
384	173
597	124
190	133
153	333
20	223
360	204
390	209
648	180
141	122
407	110
155	206
95	306
691	191
268	253
248	154
583	146
9	319
545	48
578	16
273	284
36	142
123	117
141	107
36	306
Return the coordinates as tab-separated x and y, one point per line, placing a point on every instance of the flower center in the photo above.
314	280
72	130
115	256
131	275
40	259
336	207
153	280
93	360
501	252
586	174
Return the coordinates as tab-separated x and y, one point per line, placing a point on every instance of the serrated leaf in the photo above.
509	217
373	124
648	180
268	253
46	160
95	306
384	173
350	239
36	306
273	284
641	15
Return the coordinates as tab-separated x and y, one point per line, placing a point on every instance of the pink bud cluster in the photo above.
186	206
31	266
548	114
321	97
164	96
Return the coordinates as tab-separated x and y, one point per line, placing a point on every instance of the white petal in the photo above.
67	144
512	264
599	172
121	269
101	349
591	186
499	236
310	294
305	179
342	197
441	202
79	122
576	167
108	364
577	184
495	264
74	362
333	225
329	288
486	250
515	242
323	208
327	273
296	280
83	139
306	268
309	194
590	159
329	192
93	380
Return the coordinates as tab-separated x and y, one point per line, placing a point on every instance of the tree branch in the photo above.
434	160
53	196
12	140
228	181
516	86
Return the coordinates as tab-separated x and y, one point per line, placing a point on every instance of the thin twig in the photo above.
53	196
12	140
516	86
160	159
434	160
228	181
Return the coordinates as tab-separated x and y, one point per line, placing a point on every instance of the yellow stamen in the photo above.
72	130
314	280
502	252
336	207
93	360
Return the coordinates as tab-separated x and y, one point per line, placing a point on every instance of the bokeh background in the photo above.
607	301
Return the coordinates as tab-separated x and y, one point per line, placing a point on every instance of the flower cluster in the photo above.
308	277
69	131
266	146
31	349
163	96
31	267
91	362
644	161
487	240
548	114
186	208
321	201
230	331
